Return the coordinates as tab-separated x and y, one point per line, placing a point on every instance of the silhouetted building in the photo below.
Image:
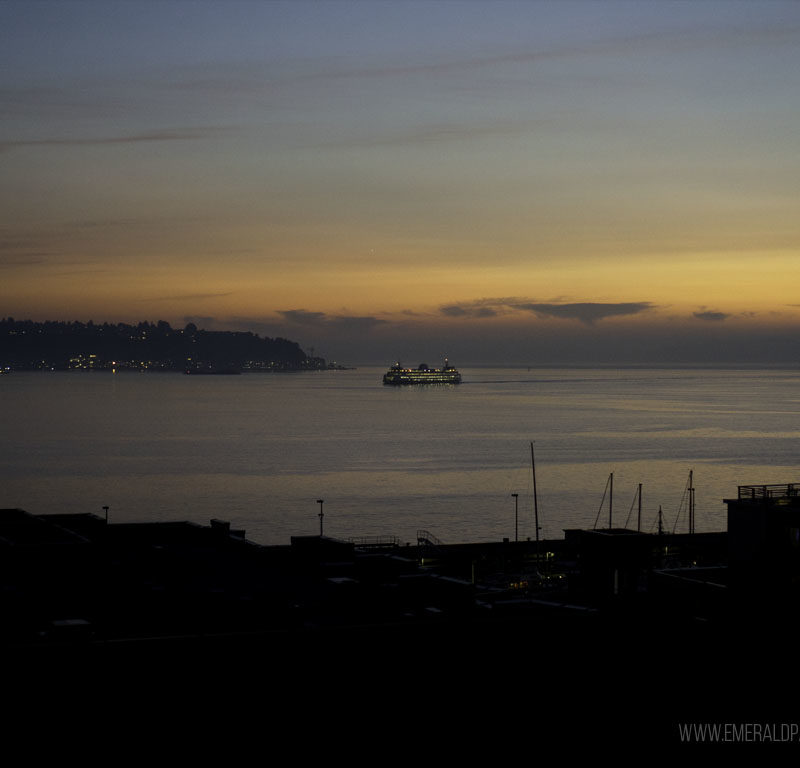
610	562
77	577
764	539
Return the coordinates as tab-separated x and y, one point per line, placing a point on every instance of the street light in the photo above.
516	516
321	515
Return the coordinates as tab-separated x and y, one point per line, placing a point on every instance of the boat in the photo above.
423	374
211	371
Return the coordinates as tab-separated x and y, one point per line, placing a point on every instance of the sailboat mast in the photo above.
610	498
535	500
639	521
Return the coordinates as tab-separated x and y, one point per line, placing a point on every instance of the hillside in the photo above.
55	345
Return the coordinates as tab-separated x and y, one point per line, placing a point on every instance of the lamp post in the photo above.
516	516
106	511
321	515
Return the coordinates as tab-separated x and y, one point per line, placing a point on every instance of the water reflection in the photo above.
260	449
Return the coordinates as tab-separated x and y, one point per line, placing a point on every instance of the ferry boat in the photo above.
422	374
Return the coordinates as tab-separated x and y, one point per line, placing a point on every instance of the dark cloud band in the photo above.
588	312
711	316
350	322
585	312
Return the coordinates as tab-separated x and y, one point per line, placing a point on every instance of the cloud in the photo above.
356	323
136	138
711	316
188	297
437	132
28	261
302	317
479	307
587	312
453	310
340	322
679	37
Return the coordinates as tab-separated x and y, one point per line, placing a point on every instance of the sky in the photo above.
525	183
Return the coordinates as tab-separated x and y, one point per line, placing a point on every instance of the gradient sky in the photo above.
520	182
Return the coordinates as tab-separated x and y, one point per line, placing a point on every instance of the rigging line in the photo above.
654	523
680	506
594	527
520	479
630	511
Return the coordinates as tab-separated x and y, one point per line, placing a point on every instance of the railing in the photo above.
774	491
375	542
426	538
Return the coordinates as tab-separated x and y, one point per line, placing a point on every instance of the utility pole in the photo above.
321	515
516	516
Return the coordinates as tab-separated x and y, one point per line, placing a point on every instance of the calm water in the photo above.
260	449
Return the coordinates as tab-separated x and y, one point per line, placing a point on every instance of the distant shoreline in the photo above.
155	368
